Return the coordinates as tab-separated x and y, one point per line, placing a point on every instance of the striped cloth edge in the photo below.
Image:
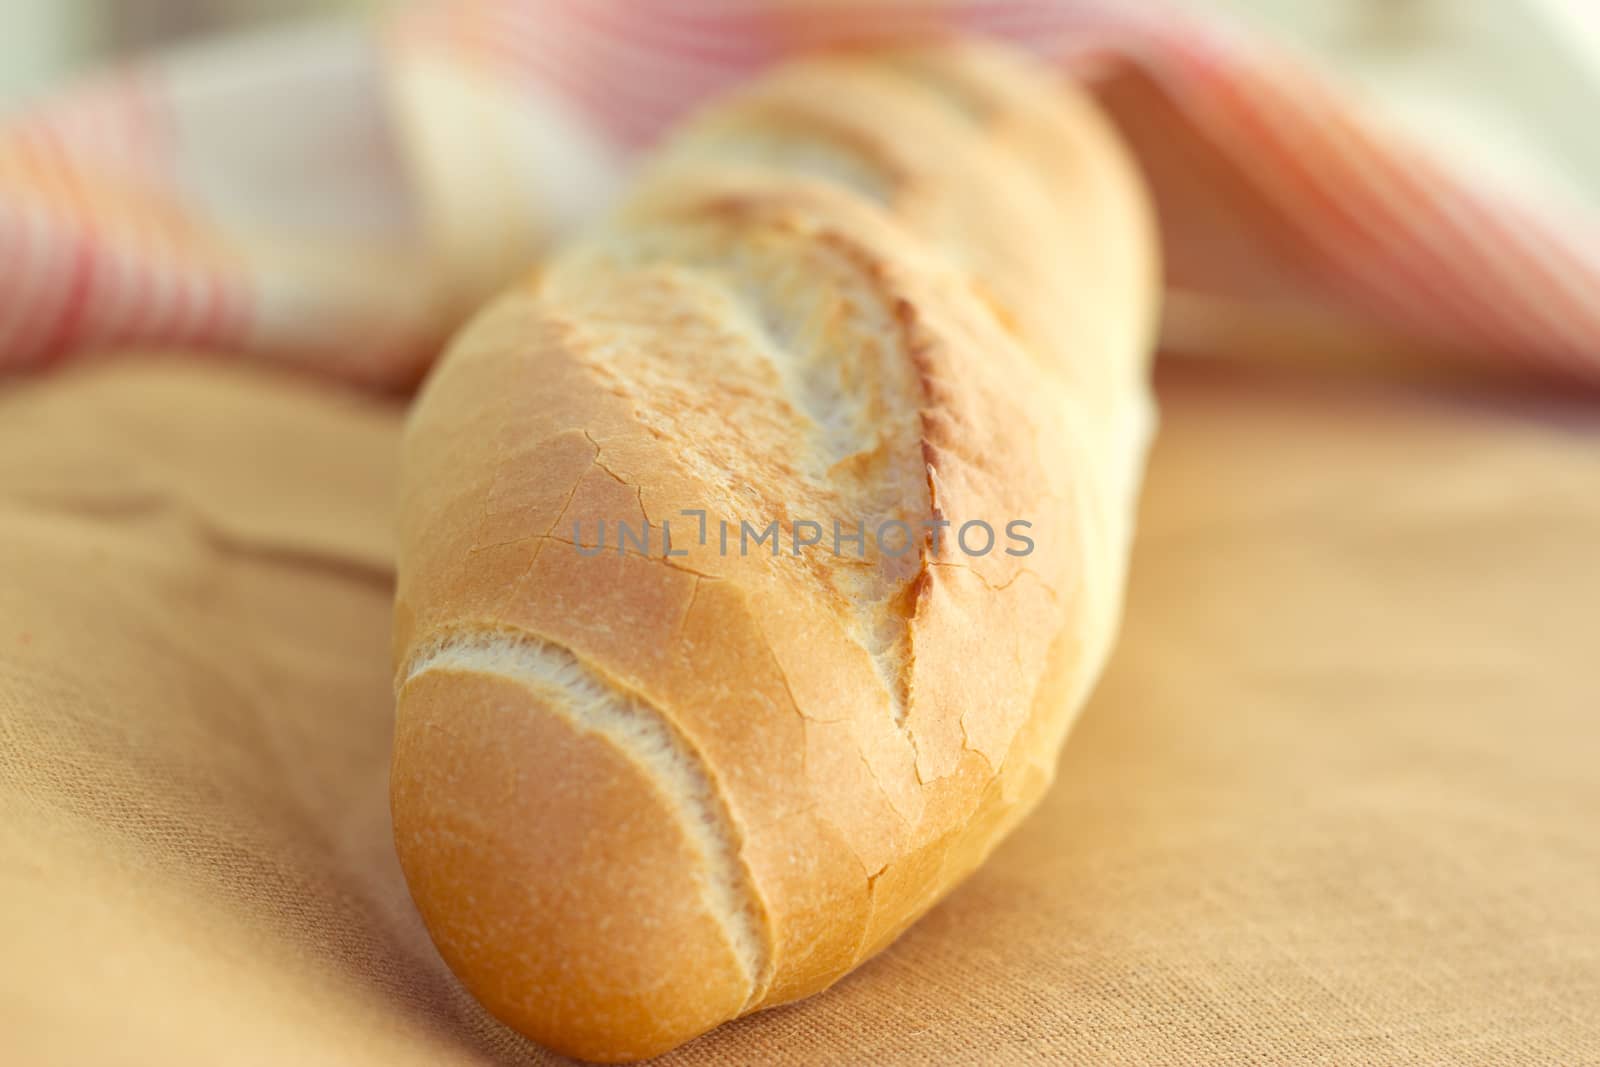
316	198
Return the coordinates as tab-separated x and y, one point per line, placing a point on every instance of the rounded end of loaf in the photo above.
552	863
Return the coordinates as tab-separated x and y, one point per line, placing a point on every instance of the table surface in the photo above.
1334	801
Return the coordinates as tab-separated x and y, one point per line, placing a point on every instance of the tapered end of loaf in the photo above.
555	869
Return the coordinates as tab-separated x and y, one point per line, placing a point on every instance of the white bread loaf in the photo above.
638	795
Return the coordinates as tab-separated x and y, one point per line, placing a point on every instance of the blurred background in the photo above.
1511	86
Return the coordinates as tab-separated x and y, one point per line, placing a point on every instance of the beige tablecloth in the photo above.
1337	801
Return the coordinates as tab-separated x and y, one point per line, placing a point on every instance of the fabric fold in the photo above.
340	197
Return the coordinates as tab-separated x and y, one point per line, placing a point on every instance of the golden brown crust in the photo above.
493	749
910	287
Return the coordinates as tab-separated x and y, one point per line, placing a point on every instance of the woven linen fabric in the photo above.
1333	803
341	197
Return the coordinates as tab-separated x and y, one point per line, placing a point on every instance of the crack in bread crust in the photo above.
811	318
594	704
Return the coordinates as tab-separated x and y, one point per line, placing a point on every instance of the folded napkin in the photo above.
341	198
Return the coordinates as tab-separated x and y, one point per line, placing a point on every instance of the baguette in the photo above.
653	771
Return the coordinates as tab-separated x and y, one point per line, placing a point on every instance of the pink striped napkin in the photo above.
340	197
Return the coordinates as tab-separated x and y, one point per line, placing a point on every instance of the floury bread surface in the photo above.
636	795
